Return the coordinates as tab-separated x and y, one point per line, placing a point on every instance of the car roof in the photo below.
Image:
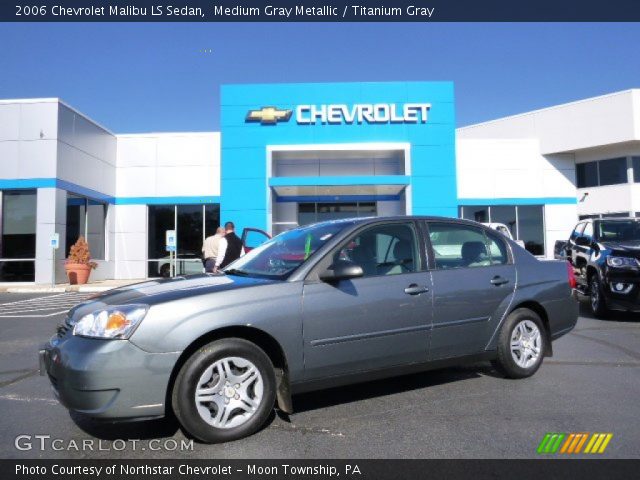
366	220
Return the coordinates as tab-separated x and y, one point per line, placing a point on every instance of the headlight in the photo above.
622	262
111	322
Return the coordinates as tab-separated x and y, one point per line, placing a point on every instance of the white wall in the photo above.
86	152
588	123
609	198
130	241
50	218
493	169
512	169
168	164
28	137
158	165
559	221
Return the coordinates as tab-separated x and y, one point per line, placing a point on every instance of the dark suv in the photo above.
606	255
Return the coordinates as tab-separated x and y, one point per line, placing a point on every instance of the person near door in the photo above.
233	247
211	249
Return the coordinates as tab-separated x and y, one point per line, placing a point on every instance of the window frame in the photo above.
84	232
174	209
520	216
487	233
577	230
326	261
625	171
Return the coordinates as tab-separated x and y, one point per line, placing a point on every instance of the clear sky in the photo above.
156	77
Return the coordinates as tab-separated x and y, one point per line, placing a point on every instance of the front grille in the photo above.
62	329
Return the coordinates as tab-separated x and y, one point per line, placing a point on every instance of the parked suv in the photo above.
606	255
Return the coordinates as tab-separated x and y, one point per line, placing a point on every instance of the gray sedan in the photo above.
319	306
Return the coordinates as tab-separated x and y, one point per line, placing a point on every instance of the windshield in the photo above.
281	255
619	231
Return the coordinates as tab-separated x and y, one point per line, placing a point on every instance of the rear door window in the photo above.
464	246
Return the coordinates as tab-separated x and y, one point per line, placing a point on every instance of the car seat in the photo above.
474	254
403	255
366	258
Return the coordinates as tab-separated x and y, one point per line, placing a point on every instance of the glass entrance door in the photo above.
320	212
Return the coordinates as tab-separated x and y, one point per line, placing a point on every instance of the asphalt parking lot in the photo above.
592	384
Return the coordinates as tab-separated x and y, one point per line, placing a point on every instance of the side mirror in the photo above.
342	270
583	241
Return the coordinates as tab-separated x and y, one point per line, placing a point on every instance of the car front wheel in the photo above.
596	297
521	344
224	391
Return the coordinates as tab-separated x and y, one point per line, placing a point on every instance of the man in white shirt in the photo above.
213	249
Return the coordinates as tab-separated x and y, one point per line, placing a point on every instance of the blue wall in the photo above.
244	145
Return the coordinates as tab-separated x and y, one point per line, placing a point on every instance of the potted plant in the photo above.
79	264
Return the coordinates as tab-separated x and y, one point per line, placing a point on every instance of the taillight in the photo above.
573	283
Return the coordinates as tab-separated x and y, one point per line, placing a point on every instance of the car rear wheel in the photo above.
596	297
521	344
224	391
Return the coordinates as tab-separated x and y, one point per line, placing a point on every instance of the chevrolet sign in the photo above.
361	113
335	114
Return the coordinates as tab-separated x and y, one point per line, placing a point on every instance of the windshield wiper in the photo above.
235	271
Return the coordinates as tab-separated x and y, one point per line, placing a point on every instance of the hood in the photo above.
628	248
153	292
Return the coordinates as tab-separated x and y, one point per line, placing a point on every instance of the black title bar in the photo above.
320	11
217	469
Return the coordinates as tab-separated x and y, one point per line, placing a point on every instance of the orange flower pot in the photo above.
78	273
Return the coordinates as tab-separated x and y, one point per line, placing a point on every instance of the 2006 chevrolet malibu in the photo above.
320	306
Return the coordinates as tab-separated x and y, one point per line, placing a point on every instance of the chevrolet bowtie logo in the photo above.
268	115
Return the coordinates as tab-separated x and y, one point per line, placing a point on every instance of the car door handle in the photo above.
498	280
415	289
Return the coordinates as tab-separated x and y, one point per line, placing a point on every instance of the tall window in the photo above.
525	222
602	172
17	235
635	161
613	172
193	223
86	217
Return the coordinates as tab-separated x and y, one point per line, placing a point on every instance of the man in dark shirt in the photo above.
234	245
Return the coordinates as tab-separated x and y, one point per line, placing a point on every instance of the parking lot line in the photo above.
45	306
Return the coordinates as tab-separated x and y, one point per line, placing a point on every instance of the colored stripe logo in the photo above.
574	443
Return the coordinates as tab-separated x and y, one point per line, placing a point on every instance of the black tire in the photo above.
165	271
183	394
505	363
596	297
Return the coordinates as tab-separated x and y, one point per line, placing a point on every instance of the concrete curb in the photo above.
91	289
35	290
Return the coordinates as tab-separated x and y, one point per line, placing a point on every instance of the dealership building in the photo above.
293	154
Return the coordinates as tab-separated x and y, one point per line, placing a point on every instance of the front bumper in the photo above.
629	299
108	379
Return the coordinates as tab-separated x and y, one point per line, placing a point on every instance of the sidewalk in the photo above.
97	286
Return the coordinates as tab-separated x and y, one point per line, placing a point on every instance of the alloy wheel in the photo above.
229	392
526	343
